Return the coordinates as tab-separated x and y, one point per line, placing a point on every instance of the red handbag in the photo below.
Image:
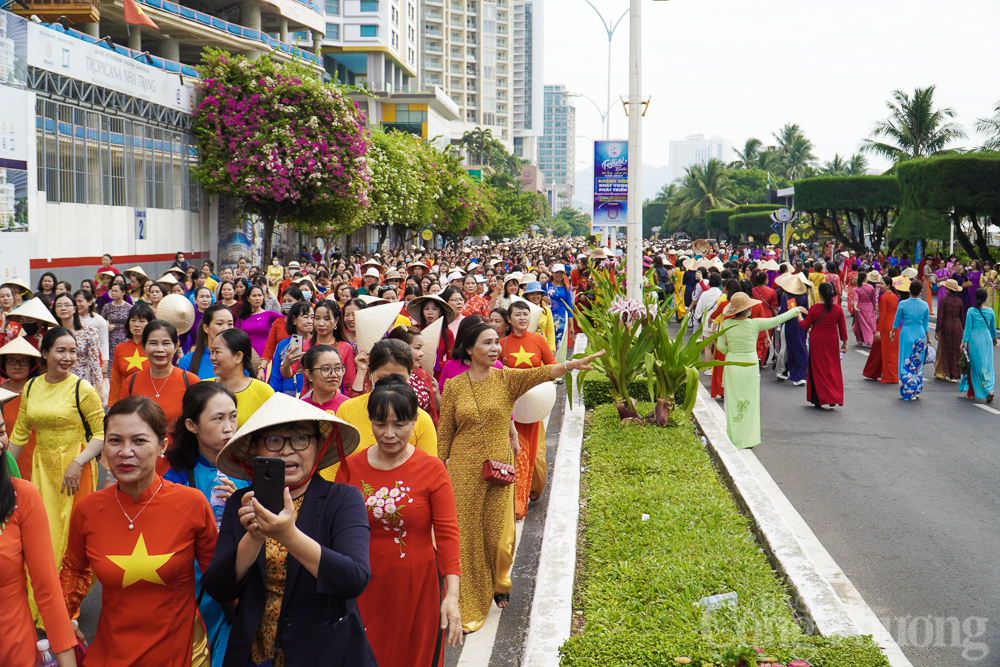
497	472
494	472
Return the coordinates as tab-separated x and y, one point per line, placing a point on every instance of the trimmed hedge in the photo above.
597	390
722	219
654	214
968	183
847	193
640	581
717	219
756	224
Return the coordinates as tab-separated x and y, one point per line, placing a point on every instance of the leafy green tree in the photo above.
990	126
858	166
517	210
702	188
750	186
851	209
914	128
579	222
560	227
284	144
794	151
403	192
667	192
836	167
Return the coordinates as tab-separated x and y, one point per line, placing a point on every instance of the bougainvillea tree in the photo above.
463	207
289	147
402	189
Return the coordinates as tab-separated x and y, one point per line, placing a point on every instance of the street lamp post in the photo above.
633	280
610	29
604	114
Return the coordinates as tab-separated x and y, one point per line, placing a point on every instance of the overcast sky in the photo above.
739	69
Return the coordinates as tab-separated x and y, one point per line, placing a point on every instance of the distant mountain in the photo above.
653	178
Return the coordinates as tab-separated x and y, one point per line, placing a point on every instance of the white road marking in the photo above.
861	352
988	409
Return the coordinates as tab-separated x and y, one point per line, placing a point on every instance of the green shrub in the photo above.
641	580
597	391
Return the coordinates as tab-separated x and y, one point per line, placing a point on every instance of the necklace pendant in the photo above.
131	526
157	395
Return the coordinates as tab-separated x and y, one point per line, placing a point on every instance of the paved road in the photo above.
904	497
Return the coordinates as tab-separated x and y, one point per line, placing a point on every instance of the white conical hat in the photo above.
168	279
910	272
178	310
20	346
135	269
283	409
372	323
371	300
432	338
535	404
536	313
18	283
6	395
770	265
35	309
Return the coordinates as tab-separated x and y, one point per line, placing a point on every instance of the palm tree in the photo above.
667	192
991	128
748	157
476	142
914	129
795	151
836	167
702	188
858	165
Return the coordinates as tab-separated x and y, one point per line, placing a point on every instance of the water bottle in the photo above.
218	503
45	657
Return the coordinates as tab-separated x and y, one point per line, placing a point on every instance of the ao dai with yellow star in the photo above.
528	350
147	579
129	358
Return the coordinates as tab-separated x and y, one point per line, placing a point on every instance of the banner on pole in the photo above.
610	185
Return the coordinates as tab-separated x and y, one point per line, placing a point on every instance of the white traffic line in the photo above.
862	352
988	409
478	647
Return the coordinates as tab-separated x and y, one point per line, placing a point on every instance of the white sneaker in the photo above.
799	383
782	377
708	372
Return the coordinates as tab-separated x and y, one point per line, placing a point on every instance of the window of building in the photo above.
395	16
333	7
395	40
332	31
412	56
411	34
411	12
369	31
369	5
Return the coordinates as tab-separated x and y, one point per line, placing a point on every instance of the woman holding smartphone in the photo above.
298	568
299	325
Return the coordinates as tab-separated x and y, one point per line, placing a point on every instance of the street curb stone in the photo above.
824	596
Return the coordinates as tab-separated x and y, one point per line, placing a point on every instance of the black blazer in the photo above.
319	622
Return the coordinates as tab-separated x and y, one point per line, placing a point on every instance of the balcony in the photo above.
437	17
154	61
433	48
432	31
77	11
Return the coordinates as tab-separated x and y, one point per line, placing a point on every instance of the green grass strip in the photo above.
640	581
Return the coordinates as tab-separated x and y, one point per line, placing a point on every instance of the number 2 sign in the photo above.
140	225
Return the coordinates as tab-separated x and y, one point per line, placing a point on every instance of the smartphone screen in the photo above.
269	482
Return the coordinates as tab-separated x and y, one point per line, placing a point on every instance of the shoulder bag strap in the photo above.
131	382
88	434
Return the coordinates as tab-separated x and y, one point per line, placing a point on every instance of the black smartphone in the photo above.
269	482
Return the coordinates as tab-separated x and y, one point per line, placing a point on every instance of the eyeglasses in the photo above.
275	443
329	371
19	362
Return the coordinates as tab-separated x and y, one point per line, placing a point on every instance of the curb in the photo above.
823	594
552	606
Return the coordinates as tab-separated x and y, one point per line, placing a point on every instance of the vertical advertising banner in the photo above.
610	186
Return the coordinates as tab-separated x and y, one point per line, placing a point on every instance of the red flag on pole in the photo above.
135	15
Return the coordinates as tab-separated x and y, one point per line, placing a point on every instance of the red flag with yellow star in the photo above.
135	15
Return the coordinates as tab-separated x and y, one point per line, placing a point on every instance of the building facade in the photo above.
696	149
557	148
528	79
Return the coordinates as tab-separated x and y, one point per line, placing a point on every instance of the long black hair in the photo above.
334	309
246	310
827	291
339	334
238	340
183	450
77	323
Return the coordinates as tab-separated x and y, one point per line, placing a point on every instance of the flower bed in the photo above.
640	581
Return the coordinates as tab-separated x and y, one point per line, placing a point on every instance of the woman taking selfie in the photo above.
297	571
207	422
141	537
414	537
288	353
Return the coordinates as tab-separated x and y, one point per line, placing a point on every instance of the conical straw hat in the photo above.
701	246
135	269
371	300
6	395
168	279
372	323
432	338
20	346
535	404
35	309
176	309
910	272
770	265
283	409
17	283
791	284
415	306
536	313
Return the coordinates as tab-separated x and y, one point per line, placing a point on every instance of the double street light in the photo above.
609	28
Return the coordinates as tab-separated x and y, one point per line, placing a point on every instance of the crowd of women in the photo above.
793	316
404	464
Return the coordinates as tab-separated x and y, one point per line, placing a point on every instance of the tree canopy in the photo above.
851	209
